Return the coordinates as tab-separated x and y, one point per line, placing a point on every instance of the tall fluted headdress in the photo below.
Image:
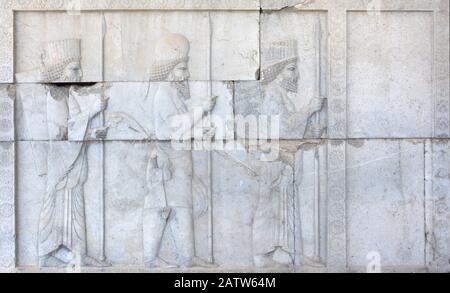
170	50
57	55
275	57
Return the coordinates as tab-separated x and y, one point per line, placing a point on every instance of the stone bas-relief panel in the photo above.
58	47
92	181
223	45
387	94
386	199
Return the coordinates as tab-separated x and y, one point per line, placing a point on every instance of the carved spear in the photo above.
210	93
102	187
316	123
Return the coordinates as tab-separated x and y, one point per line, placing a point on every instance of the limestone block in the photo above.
388	97
217	50
385	200
7	97
55	38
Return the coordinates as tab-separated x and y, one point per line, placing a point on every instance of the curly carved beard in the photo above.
70	78
290	84
182	88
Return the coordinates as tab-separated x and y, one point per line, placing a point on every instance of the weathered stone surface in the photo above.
136	5
131	38
385	190
386	92
36	30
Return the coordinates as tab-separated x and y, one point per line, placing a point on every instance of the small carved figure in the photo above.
273	222
62	223
60	62
168	209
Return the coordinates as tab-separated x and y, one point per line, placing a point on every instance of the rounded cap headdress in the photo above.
170	50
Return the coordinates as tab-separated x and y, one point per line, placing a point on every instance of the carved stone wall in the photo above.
222	136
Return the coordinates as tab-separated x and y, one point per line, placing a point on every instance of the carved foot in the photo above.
313	262
273	260
92	262
159	263
198	262
49	261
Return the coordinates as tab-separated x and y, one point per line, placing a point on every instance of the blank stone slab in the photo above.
390	75
33	31
385	199
7	97
131	37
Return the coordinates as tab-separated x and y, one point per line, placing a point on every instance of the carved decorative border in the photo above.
438	208
7	96
337	227
6	45
337	97
7	206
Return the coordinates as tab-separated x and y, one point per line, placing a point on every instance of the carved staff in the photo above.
102	187
317	131
210	94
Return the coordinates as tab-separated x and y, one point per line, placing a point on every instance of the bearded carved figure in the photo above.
62	222
280	78
168	215
60	62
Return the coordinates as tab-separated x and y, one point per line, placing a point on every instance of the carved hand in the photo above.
209	133
99	106
100	133
316	105
209	103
